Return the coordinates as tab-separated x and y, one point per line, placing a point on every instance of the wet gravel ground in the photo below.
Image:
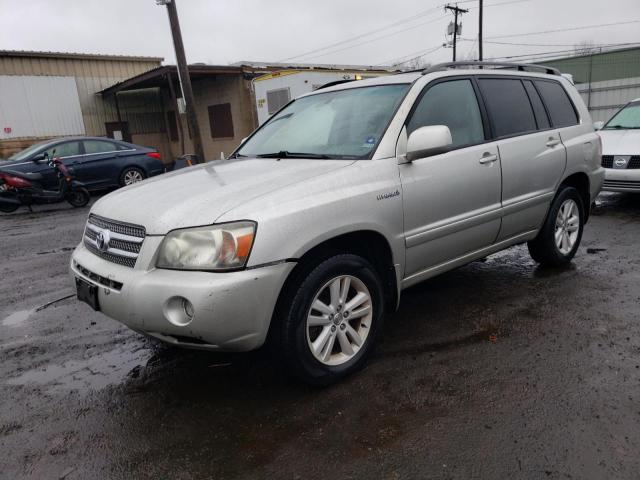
500	369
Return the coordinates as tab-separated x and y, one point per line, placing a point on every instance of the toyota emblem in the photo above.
102	240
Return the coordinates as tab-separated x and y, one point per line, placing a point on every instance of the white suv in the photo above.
344	198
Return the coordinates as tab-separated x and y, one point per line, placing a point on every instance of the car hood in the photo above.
199	195
620	142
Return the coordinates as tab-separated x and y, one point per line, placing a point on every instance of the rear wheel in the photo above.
131	175
559	238
8	207
79	197
331	318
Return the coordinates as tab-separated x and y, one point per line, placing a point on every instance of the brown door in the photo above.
118	131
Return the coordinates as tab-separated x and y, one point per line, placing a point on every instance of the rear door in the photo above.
451	201
531	151
100	165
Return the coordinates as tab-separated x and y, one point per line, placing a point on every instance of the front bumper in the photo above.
232	310
623	180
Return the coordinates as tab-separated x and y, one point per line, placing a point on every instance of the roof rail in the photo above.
523	67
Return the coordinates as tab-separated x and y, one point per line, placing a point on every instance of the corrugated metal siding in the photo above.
34	106
608	97
600	66
91	76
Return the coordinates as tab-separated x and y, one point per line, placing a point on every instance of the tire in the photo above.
332	360
79	197
560	220
131	175
8	207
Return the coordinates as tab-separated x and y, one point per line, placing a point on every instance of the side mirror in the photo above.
598	125
428	141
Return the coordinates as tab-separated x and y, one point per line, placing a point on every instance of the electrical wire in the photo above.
400	60
377	38
415	16
585	27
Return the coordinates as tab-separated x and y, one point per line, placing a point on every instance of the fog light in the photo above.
179	311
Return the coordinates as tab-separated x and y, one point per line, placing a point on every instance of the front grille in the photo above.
121	242
634	162
622	184
104	281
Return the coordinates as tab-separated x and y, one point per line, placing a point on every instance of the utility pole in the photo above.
456	10
480	33
185	79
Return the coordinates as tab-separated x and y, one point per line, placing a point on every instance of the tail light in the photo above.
155	155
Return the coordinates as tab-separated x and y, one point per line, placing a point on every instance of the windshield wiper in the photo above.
620	127
286	154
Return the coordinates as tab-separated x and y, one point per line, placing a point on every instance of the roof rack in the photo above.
523	67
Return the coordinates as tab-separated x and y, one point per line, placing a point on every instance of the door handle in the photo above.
488	158
552	142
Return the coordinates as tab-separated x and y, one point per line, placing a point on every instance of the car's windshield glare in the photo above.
341	124
628	117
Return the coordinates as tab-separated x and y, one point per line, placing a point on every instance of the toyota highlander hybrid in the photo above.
308	234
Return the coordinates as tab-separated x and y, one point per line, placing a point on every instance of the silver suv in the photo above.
345	197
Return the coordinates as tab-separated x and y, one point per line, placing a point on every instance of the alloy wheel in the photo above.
132	176
567	226
339	320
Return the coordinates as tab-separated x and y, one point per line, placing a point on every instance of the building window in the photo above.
276	99
220	121
173	126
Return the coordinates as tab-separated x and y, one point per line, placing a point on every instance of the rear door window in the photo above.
508	105
558	103
538	107
98	146
454	104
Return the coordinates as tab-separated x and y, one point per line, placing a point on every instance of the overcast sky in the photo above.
226	31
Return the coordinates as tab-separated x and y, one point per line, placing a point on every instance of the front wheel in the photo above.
79	197
331	319
559	237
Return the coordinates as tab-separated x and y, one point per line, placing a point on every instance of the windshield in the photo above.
628	117
26	153
342	124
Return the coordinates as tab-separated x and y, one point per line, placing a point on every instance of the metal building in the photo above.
607	80
48	94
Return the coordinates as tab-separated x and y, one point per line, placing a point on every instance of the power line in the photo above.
585	27
378	38
415	16
404	59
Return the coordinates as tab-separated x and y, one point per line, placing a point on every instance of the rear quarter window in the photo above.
509	108
558	103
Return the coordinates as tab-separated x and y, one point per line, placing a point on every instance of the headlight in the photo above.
215	247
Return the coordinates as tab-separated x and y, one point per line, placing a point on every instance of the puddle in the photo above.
93	373
18	317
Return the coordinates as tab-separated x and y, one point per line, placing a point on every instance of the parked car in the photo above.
97	162
341	200
621	149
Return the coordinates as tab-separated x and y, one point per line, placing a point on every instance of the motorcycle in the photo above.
17	188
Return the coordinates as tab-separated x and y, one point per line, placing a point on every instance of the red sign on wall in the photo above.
7	129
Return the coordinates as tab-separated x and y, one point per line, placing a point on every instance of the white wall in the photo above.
39	106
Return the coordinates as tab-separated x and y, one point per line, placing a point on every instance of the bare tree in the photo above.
585	47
